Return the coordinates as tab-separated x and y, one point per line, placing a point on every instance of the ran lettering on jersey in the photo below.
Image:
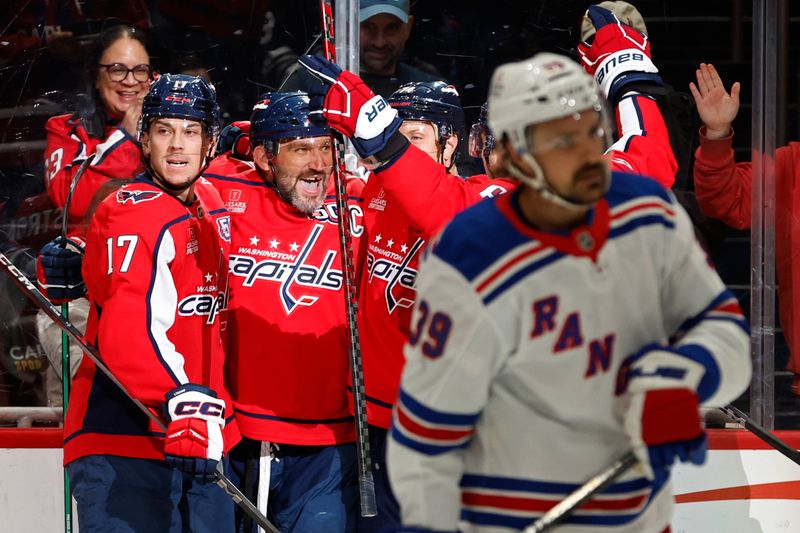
293	272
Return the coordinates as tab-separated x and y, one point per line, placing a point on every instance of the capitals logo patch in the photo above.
135	197
224	228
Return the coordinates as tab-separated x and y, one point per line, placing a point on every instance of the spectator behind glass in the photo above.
105	125
723	189
385	29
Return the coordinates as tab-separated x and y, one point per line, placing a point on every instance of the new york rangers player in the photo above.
556	327
155	266
286	338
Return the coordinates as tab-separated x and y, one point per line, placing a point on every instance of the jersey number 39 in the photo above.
433	333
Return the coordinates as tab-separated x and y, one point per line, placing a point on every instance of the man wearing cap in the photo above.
385	28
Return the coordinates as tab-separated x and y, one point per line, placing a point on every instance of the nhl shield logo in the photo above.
224	227
585	241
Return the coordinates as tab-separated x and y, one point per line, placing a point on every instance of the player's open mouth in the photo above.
310	186
177	164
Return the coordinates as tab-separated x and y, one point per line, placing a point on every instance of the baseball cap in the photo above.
624	11
398	8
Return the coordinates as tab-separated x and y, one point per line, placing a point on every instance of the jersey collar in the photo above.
585	240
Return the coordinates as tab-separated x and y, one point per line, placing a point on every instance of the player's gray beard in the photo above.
307	206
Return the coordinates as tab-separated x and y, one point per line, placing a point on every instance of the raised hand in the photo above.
717	108
618	56
130	122
350	107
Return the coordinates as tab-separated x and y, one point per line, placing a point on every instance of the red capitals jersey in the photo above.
155	274
404	206
287	363
407	203
117	157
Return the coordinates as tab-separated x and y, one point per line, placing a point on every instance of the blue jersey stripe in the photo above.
649	220
522	274
309	421
424	447
549	487
251	183
436	417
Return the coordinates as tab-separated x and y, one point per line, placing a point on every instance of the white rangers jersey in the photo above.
508	399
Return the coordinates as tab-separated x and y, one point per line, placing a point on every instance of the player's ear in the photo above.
262	159
450	146
145	142
407	27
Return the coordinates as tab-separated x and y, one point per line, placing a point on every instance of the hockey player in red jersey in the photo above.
287	338
155	270
513	354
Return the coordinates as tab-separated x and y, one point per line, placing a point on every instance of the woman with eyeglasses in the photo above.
105	126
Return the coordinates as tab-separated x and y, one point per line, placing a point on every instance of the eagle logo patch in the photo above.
135	197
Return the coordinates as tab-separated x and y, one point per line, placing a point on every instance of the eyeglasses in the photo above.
118	72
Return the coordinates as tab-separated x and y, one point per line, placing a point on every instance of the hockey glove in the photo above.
618	56
663	418
235	137
58	269
194	442
350	107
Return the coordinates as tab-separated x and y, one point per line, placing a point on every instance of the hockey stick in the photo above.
41	301
763	434
66	374
366	484
566	507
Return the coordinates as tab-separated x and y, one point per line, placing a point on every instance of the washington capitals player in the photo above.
558	326
155	267
287	339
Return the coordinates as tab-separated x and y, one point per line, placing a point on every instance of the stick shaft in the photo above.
566	507
32	292
366	483
762	433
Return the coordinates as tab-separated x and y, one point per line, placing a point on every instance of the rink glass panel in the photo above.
248	46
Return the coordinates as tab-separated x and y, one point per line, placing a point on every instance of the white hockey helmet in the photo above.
539	89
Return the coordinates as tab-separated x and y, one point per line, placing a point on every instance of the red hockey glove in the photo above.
618	56
58	269
663	418
350	107
194	433
235	137
664	425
